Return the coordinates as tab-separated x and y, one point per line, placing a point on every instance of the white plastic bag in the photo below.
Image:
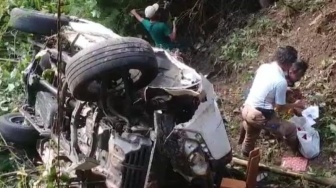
309	143
302	123
309	138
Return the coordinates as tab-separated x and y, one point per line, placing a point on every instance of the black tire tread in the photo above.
35	22
87	61
111	55
17	134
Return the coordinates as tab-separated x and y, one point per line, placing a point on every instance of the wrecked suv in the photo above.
132	114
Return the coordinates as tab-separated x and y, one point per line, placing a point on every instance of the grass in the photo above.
303	5
241	47
15	54
13	163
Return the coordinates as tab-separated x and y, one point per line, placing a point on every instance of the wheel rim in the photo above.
17	120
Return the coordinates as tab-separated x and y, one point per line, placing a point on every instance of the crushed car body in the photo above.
133	114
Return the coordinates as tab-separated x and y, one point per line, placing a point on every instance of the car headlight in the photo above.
196	158
199	164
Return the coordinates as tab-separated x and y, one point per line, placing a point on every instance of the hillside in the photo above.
311	29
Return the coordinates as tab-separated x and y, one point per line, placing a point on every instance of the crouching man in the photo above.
268	92
296	72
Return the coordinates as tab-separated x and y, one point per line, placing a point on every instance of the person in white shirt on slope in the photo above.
268	92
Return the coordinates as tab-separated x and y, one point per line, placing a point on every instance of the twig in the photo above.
212	17
323	181
9	60
10	150
5	148
15	173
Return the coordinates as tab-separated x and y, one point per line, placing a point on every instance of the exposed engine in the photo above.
133	138
125	164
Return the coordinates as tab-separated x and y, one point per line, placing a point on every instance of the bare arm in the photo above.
173	34
137	16
286	107
280	99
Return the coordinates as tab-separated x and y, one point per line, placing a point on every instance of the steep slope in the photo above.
310	27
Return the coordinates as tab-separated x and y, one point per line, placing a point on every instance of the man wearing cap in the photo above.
159	31
268	92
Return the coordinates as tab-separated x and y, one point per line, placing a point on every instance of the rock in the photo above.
315	20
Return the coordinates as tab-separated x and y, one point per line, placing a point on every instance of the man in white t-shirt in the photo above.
268	92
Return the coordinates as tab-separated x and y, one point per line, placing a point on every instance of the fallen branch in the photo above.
9	60
322	181
15	173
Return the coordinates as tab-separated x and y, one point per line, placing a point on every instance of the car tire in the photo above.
13	129
107	60
35	22
266	3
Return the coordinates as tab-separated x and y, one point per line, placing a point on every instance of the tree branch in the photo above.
322	181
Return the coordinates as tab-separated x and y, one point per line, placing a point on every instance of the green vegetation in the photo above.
324	95
16	170
303	6
241	45
238	49
15	54
11	88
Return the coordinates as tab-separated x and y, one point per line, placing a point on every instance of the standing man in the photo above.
268	92
159	31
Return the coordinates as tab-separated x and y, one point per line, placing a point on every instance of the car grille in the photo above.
135	168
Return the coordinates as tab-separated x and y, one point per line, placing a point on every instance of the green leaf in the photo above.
3	107
13	73
332	128
10	87
95	14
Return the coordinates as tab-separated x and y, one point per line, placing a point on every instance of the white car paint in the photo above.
207	119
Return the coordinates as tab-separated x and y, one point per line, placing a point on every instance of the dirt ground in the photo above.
313	33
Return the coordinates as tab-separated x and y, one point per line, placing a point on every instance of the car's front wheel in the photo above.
110	60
